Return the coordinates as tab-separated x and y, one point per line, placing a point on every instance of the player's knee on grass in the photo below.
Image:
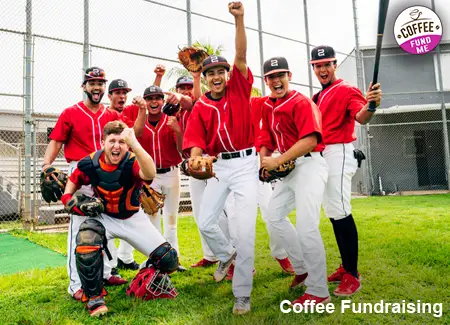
164	258
90	241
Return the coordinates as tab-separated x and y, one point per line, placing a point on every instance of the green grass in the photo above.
404	255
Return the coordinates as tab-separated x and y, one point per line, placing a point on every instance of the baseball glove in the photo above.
359	156
170	109
192	58
281	172
85	205
151	200
198	167
53	181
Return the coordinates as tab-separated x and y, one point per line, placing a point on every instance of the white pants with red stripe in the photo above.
136	230
168	184
303	190
342	165
237	175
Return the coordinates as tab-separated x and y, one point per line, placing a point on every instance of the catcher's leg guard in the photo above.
89	258
164	258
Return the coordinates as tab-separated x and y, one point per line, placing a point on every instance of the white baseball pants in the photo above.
238	175
168	184
342	166
303	190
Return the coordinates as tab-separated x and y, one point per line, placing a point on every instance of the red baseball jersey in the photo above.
224	125
256	104
183	116
81	130
129	114
285	121
161	143
339	103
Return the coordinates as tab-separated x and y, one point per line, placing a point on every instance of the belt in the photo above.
309	154
165	170
236	154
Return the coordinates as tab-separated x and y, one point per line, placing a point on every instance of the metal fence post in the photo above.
189	22
86	45
308	47
261	46
444	115
27	220
364	130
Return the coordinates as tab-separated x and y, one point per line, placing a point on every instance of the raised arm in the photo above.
197	91
146	163
139	124
160	70
240	61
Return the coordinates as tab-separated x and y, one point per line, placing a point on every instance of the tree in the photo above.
211	50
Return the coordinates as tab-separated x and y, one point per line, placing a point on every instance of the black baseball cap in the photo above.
94	73
275	65
183	80
214	61
153	90
322	53
118	84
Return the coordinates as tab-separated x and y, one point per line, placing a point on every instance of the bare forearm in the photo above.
196	151
300	148
179	140
51	152
241	46
139	124
157	81
148	169
264	152
197	91
70	187
186	102
364	116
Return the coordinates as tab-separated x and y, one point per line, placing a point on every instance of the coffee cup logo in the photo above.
418	30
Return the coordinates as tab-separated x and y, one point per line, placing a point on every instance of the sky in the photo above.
156	32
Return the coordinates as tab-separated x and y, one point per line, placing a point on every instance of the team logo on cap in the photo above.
120	83
274	63
418	30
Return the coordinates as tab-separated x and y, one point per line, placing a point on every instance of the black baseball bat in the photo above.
382	12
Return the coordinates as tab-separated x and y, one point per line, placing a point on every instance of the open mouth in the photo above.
115	154
121	102
96	95
279	89
155	106
324	77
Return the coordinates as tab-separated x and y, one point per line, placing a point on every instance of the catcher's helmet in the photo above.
151	284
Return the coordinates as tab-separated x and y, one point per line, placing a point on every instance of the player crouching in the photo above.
116	176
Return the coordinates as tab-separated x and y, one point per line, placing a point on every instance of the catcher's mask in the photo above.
151	284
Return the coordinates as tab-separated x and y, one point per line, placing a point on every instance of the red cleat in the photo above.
337	275
348	286
230	273
204	263
115	281
96	306
78	295
312	300
299	280
286	265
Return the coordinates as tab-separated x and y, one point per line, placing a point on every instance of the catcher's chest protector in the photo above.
113	187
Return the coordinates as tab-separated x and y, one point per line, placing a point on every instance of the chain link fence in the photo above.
47	45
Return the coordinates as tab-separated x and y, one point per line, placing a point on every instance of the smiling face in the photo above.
278	83
118	98
185	90
325	72
115	149
216	79
95	89
154	104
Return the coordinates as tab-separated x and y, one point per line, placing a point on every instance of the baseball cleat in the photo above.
96	306
78	295
222	268
298	280
230	272
286	265
204	263
115	280
181	268
127	266
312	300
348	286
337	275
241	305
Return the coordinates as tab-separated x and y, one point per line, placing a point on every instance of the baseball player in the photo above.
123	256
79	128
292	124
161	136
220	125
341	104
116	176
